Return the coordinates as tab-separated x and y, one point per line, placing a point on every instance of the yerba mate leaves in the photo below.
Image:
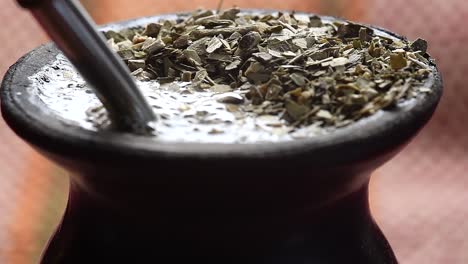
310	71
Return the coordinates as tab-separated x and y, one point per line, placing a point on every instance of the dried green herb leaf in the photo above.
152	30
250	40
295	110
275	53
200	76
254	68
363	35
336	62
192	57
315	21
137	72
258	77
114	35
273	92
375	50
398	61
324	114
199	46
214	44
311	71
220	57
126	44
202	13
298	79
357	44
226	32
152	45
255	73
263	56
289	54
233	65
274	29
226	45
351	30
140	54
126	54
181	42
234	36
419	63
186	76
301	43
419	45
136	64
230	14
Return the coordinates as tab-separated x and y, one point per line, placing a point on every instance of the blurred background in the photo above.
420	198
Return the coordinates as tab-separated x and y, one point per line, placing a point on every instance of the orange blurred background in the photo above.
419	199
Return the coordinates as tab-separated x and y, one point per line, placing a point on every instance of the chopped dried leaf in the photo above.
357	44
192	57
301	43
230	14
220	57
350	30
126	54
398	61
364	34
315	21
250	40
152	30
200	76
181	42
114	35
152	45
324	114
214	44
289	54
295	110
226	32
375	50
273	92
336	62
419	45
263	56
275	53
233	65
298	79
309	71
136	64
186	76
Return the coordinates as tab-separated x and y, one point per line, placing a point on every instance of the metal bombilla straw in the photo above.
75	33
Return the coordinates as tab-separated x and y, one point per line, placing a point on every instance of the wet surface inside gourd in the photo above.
184	113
